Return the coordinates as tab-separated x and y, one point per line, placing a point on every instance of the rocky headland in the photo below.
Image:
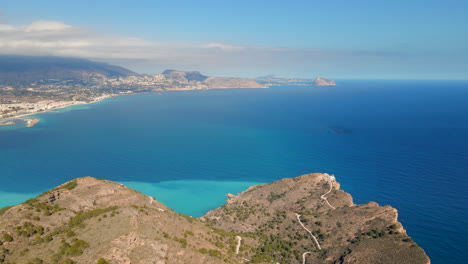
320	81
306	219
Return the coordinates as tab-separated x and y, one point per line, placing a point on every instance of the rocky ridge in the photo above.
306	219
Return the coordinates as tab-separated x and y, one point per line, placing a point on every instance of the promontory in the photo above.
306	219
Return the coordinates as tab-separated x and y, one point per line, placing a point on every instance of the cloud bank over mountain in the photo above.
57	38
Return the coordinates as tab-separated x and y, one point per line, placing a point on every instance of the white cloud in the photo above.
45	25
222	46
4	27
57	38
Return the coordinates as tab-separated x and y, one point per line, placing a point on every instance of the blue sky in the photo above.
335	38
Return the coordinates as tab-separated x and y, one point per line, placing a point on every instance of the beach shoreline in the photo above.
7	121
30	122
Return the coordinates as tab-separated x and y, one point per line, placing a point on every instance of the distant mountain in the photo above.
30	69
187	76
196	78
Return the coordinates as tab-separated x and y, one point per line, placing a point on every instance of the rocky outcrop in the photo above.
344	232
320	81
88	219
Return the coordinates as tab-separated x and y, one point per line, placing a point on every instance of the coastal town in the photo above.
41	89
20	99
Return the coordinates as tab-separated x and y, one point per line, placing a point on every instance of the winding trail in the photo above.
325	198
298	216
304	255
239	240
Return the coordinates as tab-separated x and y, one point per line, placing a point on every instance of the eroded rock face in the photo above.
55	195
88	219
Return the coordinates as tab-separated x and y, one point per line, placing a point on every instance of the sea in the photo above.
398	143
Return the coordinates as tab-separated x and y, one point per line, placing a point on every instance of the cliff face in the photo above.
88	219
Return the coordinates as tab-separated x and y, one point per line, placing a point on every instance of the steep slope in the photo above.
88	219
298	220
29	69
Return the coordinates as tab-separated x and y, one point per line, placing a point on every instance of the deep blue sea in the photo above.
405	144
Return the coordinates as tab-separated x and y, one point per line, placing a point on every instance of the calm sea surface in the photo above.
399	143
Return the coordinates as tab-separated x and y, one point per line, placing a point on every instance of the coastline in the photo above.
30	122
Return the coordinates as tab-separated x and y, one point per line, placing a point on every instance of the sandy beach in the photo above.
50	106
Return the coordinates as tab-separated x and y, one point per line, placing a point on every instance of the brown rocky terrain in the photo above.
307	219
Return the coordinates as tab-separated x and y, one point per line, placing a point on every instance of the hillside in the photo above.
88	220
30	69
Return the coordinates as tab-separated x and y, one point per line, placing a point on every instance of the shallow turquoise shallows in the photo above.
402	143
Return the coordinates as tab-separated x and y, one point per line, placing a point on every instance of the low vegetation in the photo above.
80	217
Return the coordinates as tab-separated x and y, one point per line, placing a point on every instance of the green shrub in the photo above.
70	185
275	196
102	261
214	253
74	249
80	217
7	237
4	209
28	229
36	261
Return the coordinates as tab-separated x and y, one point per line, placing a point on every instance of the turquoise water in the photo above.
191	197
406	145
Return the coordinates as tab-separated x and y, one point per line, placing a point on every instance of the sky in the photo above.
343	39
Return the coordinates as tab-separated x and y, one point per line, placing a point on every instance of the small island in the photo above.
320	81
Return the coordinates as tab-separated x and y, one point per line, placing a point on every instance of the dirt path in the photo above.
239	240
304	255
325	198
298	216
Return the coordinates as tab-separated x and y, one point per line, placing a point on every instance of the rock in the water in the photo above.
319	81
